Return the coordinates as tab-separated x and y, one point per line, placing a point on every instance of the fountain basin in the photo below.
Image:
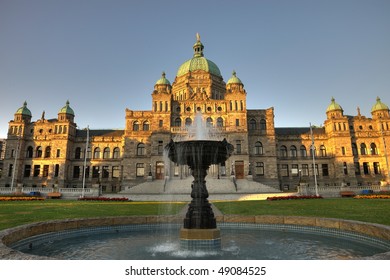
320	226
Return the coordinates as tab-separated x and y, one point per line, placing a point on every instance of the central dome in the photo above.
198	62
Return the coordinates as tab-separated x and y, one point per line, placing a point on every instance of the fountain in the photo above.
200	227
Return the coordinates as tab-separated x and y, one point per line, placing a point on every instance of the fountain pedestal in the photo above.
200	227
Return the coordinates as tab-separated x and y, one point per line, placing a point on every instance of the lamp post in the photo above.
314	161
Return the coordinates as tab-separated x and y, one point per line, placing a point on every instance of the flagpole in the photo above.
314	161
85	162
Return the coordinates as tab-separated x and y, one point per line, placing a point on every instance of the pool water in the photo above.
239	241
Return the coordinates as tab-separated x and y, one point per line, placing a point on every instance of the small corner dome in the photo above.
24	110
66	109
163	80
334	106
234	79
379	106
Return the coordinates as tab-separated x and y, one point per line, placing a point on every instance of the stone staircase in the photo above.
223	185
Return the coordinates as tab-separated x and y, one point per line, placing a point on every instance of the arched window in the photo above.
146	126
363	149
252	124
47	152
29	152
209	122
303	151
106	153
116	153
258	149
322	151
263	125
283	151
141	149
96	153
177	122
38	152
220	122
77	153
188	121
313	150
136	126
374	150
293	151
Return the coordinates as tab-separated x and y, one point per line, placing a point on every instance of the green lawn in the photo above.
22	212
366	210
16	213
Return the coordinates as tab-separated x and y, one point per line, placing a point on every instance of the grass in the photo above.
16	213
365	210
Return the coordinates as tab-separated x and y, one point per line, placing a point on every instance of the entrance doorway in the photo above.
239	169
160	171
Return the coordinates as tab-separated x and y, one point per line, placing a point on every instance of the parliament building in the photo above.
50	152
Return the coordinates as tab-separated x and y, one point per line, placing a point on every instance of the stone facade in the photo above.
51	152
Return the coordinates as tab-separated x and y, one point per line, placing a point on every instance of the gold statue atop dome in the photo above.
197	37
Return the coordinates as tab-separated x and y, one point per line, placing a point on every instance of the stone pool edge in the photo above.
12	235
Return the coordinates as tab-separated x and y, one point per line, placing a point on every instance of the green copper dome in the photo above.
234	79
66	109
163	80
198	62
379	105
24	110
333	106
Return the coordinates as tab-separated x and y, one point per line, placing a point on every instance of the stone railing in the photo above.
334	191
65	192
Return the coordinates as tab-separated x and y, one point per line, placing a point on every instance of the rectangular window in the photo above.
284	170
325	170
377	169
160	123
259	169
105	173
115	172
87	169
10	170
140	170
45	171
366	168
58	154
37	170
345	168
237	122
95	171
27	170
76	171
294	170
305	170
343	151
56	170
238	147
357	168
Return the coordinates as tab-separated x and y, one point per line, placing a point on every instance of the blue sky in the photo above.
105	55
